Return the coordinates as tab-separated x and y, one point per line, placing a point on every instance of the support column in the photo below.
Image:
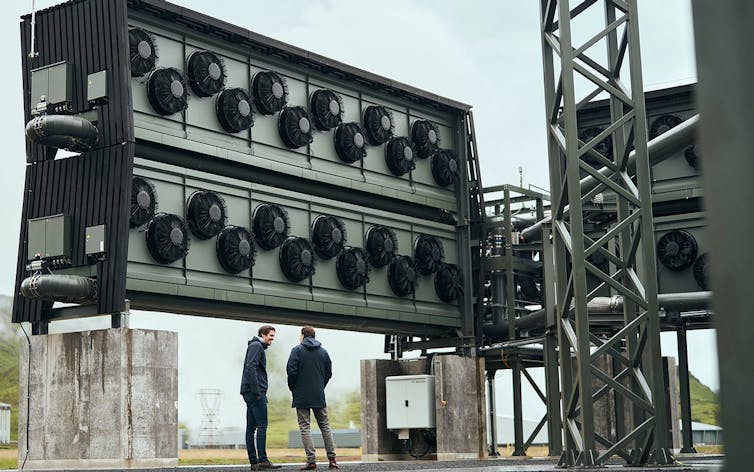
685	391
518	414
99	399
492	449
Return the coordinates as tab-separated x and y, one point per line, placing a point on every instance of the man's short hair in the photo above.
308	332
264	329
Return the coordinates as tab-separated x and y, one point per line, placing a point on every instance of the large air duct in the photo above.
72	133
59	288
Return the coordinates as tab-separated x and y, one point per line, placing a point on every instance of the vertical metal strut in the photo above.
577	71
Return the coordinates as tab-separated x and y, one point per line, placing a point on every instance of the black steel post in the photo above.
518	414
492	448
683	377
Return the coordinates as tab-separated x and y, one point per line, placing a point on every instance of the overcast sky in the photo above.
485	53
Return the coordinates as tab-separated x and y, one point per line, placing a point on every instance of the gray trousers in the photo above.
304	425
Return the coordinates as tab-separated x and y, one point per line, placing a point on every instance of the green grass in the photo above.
9	377
705	404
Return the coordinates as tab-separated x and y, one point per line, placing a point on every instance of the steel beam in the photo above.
685	390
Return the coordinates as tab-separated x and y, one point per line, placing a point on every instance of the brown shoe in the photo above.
333	464
267	465
309	466
254	467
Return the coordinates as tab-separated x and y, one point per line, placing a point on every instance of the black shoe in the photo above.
267	465
254	466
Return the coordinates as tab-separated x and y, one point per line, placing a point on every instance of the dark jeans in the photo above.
256	421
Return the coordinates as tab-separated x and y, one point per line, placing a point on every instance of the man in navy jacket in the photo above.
309	369
254	392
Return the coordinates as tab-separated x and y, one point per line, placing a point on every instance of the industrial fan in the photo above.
328	236
428	254
294	127
349	142
207	214
166	91
234	110
378	124
448	283
270	225
142	52
143	202
399	156
327	109
663	124
381	245
235	249
270	92
167	238
692	156
297	259
529	290
604	147
701	271
425	137
401	275
206	73
677	250
444	167
352	268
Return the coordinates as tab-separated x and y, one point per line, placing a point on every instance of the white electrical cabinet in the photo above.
410	401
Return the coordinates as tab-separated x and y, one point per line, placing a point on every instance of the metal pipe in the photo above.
59	288
659	149
72	133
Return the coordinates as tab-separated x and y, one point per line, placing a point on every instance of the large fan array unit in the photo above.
428	254
399	156
270	92
270	225
401	275
352	268
677	250
167	238
448	283
235	249
349	142
294	127
206	73
701	271
381	245
142	52
297	259
662	124
166	91
234	110
378	124
444	167
327	109
328	236
143	202
425	137
207	214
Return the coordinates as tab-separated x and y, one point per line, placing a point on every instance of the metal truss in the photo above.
574	75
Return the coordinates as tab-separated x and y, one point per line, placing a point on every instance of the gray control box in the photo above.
410	401
95	240
49	236
96	87
54	82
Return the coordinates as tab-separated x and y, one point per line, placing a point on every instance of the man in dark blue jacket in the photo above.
254	392
309	369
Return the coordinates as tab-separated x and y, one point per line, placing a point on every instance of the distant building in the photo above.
505	434
4	423
706	434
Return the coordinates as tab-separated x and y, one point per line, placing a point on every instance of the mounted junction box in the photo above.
49	238
410	401
55	83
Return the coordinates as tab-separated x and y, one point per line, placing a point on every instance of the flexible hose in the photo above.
72	133
59	288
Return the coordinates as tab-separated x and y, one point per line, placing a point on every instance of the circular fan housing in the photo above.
378	124
425	137
327	109
444	167
352	268
234	110
207	214
402	276
701	271
529	289
270	225
167	238
399	156
143	201
166	91
142	52
270	92
692	156
295	127
297	260
677	250
235	249
350	144
604	147
381	246
663	124
428	254
206	73
448	283
328	236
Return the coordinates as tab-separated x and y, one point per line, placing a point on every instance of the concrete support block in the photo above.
100	399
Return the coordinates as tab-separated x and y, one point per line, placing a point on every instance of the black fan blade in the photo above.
167	238
143	202
270	91
294	127
142	52
444	167
425	137
428	254
399	156
234	110
382	245
207	214
378	124
270	225
235	249
677	250
297	259
449	283
327	109
352	268
350	144
402	276
206	72
166	91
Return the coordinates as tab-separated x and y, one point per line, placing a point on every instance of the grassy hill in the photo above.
705	404
9	343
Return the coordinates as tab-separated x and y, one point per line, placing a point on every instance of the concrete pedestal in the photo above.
100	399
459	408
